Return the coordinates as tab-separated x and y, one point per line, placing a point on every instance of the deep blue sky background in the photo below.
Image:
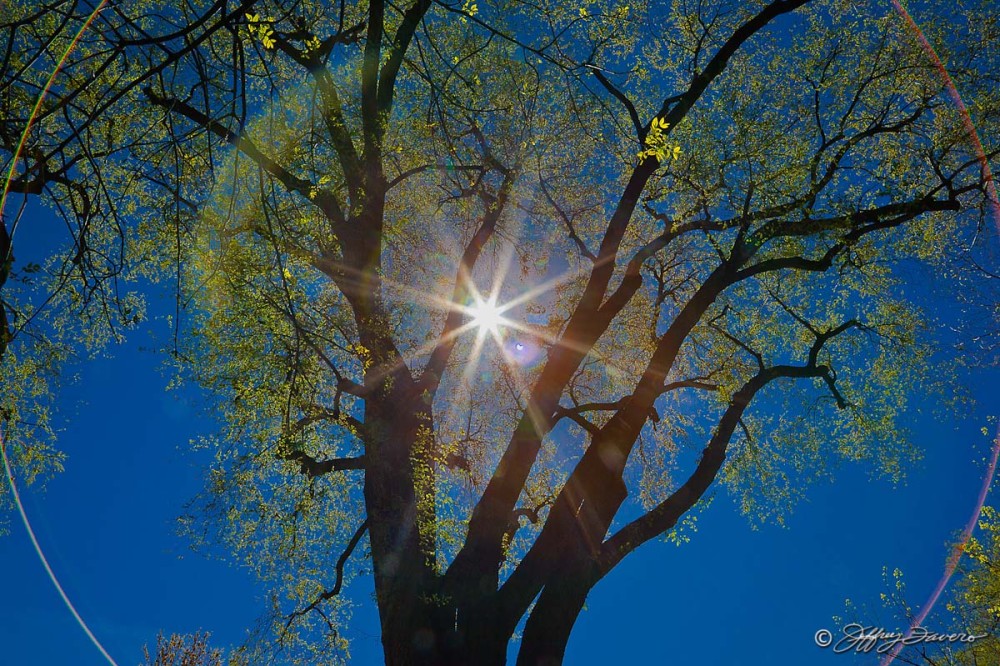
733	595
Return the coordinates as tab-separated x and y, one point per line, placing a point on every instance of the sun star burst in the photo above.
486	316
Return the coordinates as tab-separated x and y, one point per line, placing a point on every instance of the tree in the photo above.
70	302
975	606
671	236
190	650
971	612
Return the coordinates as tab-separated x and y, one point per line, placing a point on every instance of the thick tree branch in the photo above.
666	514
675	109
591	496
400	43
332	112
322	198
482	552
434	371
576	417
640	131
312	468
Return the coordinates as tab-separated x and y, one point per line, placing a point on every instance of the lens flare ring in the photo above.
8	471
487	317
956	553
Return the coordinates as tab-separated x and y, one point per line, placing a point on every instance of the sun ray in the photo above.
548	285
556	340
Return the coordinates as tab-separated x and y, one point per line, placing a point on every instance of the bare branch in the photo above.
322	198
313	468
335	590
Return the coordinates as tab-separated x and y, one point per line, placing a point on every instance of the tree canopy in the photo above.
490	294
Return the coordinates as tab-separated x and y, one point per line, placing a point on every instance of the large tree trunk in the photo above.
548	628
402	561
425	631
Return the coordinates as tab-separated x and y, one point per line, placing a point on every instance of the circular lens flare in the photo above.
523	351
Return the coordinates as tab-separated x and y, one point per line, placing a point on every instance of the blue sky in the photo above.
732	595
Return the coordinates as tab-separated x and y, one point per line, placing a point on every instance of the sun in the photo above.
486	316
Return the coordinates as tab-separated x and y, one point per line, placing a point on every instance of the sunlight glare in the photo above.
487	316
